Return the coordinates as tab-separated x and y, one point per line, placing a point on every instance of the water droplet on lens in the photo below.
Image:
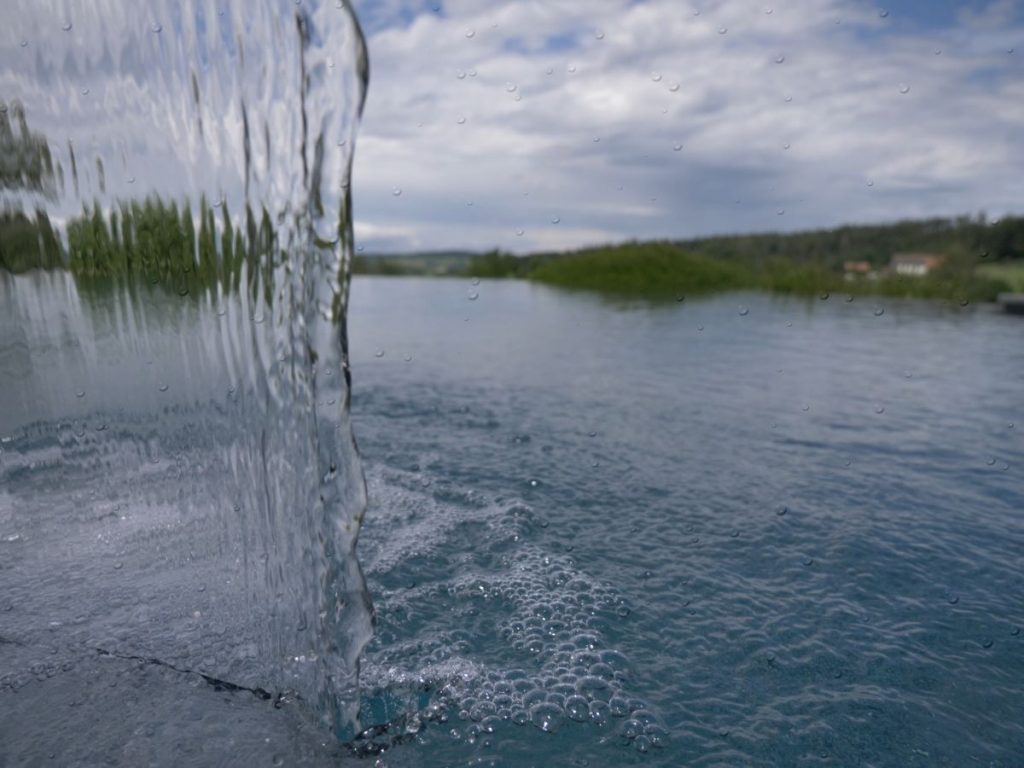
744	311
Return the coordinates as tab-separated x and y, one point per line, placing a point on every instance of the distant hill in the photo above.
430	263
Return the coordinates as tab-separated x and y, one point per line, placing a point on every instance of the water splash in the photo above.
175	241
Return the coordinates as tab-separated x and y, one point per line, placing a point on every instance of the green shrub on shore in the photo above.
653	270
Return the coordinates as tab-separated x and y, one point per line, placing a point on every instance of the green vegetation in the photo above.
1010	273
978	261
434	264
652	270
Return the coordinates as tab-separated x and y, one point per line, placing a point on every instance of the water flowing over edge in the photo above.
131	132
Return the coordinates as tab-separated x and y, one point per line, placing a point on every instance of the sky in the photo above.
531	125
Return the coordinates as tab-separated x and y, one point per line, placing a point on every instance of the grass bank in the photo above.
666	271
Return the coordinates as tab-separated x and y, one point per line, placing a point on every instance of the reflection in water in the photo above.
174	246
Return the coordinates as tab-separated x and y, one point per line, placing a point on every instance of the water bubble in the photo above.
546	716
870	183
23	43
67	26
555	219
656	77
475	281
786	145
511	87
823	297
904	88
397	192
519	233
700	327
534	483
880	410
460	75
879	311
572	68
473	296
780	59
722	30
408	358
549	71
470	33
769	11
577	708
986	643
744	311
379	353
156	28
952	599
163	387
805	408
787	98
883	14
460	120
599	35
677	147
780	212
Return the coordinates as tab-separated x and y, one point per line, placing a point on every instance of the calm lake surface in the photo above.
741	530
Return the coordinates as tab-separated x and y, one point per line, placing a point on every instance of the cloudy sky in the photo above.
543	124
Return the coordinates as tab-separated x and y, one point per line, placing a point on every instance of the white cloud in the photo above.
541	80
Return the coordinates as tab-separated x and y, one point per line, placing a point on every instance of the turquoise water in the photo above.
785	537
